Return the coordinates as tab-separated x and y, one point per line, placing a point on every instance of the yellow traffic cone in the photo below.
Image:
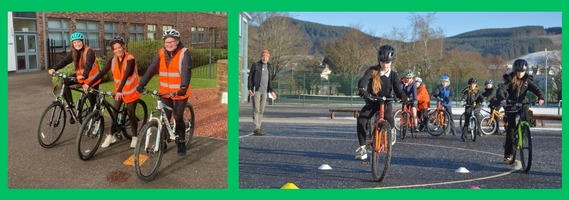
289	185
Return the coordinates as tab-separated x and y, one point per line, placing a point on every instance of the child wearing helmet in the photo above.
408	86
423	101
86	67
515	88
378	81
125	74
444	94
173	63
473	101
489	95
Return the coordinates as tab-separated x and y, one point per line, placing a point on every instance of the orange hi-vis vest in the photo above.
170	75
129	88
94	70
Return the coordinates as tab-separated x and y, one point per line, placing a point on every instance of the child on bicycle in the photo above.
444	94
516	86
423	101
125	75
86	67
378	81
473	99
173	64
408	86
489	95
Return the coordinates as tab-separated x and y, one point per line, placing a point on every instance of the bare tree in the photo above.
427	45
275	32
352	52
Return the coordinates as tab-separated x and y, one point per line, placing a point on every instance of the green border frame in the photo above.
233	7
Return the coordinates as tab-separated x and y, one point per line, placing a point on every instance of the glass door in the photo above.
26	52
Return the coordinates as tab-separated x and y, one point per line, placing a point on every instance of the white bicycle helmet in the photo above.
171	33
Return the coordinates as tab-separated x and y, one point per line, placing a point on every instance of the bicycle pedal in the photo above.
364	162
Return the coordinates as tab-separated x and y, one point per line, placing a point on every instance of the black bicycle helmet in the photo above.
472	80
386	53
117	39
520	65
489	81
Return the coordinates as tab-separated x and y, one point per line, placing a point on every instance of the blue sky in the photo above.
452	23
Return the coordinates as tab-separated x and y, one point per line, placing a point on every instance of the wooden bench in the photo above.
543	117
356	111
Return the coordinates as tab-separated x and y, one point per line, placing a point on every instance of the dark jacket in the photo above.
512	91
473	97
68	59
255	73
446	94
490	96
388	84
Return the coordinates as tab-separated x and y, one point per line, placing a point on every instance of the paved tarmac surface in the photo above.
300	139
32	166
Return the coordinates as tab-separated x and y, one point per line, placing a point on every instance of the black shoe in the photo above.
258	132
181	148
71	120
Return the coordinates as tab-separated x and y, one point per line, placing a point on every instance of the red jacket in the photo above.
423	100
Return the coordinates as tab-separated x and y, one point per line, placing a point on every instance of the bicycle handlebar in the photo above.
156	93
93	90
381	99
62	75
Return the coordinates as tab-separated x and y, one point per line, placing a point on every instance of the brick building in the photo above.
37	37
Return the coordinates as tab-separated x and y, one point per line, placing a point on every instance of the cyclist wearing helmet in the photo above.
471	97
86	67
259	82
408	86
125	75
516	86
173	63
490	95
377	81
423	101
444	94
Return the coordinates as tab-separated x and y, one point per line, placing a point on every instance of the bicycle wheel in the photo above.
90	135
404	124
141	118
472	129
397	118
462	120
525	148
438	123
148	151
488	125
84	107
381	151
52	124
190	121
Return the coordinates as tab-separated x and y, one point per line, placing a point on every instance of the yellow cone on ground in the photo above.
130	160
289	186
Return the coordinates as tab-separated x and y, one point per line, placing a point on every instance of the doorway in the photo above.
26	52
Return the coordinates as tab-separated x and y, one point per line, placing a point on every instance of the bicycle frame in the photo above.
497	114
440	117
163	119
407	109
59	98
103	104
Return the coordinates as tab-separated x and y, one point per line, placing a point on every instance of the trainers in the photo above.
361	153
258	132
509	159
181	148
133	142
108	141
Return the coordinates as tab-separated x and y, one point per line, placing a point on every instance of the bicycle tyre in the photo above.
397	118
404	125
148	156
473	129
381	158
140	117
435	129
190	121
462	120
526	149
83	108
90	135
48	133
488	125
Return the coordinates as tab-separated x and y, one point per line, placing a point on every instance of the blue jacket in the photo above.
445	93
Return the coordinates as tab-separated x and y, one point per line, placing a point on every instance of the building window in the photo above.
24	21
111	31
151	32
90	29
136	32
166	27
198	35
58	34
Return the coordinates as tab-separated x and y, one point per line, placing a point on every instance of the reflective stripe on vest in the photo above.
94	70
170	75
129	88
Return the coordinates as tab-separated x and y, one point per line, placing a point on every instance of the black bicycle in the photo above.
91	132
53	119
522	137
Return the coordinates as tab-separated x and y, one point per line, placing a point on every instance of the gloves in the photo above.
182	91
415	103
363	93
140	89
447	100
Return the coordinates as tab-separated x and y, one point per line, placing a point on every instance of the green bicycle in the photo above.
522	138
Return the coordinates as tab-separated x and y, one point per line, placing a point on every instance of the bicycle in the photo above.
407	121
151	145
53	120
380	141
472	128
488	123
438	121
91	132
522	138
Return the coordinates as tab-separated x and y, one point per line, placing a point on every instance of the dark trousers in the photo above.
366	113
449	110
178	107
131	110
67	91
511	130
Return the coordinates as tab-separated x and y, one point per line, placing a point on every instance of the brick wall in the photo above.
221	77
